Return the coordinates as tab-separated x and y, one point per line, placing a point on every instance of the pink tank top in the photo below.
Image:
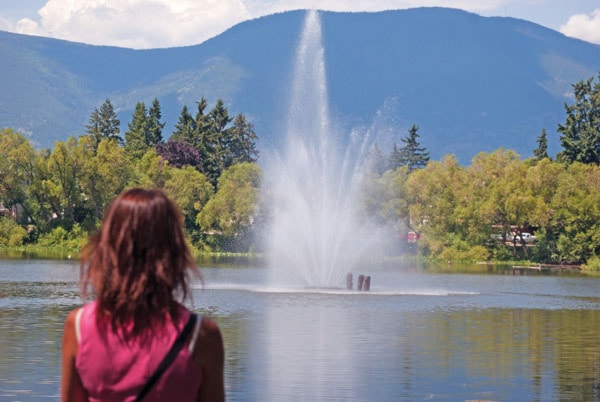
112	370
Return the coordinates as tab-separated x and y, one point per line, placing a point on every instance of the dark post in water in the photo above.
361	279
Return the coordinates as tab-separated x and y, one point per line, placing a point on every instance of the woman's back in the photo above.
138	266
113	369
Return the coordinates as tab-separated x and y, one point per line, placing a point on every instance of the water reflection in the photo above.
415	337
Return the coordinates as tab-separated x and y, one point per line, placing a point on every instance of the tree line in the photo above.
460	212
208	166
59	195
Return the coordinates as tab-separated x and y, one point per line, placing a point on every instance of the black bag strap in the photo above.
168	359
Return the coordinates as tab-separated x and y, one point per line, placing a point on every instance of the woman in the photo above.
137	268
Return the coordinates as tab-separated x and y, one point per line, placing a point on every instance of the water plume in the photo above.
316	236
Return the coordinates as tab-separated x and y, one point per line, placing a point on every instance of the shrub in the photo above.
11	233
60	237
592	264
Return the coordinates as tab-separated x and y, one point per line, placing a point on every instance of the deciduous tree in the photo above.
232	210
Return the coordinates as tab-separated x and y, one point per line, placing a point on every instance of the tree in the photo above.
155	126
395	159
215	142
242	147
151	170
232	210
190	190
104	174
104	124
580	134
61	185
184	129
179	154
136	136
17	168
412	154
541	151
11	233
376	163
435	197
576	203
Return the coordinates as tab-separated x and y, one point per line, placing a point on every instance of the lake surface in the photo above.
416	335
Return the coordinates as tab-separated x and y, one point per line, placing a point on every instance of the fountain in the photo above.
316	236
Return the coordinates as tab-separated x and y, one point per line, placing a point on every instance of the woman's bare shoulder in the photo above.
71	318
209	344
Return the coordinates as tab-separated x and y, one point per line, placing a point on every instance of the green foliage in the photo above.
62	193
145	130
154	124
242	142
185	127
104	124
580	134
11	233
541	151
377	163
412	154
592	264
136	136
230	214
219	144
190	190
60	237
17	162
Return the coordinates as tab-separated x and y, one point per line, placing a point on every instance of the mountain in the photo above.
470	83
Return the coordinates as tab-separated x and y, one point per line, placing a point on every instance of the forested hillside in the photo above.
470	83
499	207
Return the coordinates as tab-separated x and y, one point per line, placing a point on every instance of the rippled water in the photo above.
414	336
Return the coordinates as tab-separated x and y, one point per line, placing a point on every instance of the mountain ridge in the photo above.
470	83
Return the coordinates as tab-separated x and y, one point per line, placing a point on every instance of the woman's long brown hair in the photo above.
137	263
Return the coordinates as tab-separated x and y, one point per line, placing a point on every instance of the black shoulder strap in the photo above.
168	359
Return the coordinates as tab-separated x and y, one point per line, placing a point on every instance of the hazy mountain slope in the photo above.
470	83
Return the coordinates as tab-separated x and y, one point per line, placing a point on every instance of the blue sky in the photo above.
164	23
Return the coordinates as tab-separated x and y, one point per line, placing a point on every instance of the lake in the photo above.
417	335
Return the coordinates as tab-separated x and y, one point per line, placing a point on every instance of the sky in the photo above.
143	24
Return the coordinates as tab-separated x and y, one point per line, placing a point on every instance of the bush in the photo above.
11	233
453	253
61	238
592	264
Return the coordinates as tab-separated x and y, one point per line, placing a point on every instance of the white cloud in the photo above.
582	26
165	23
135	23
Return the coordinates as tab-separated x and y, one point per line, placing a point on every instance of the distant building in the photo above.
11	212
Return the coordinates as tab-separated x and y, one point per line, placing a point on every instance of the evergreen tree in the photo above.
243	142
104	124
376	161
202	128
184	129
219	117
136	137
412	154
541	151
155	126
395	159
580	137
215	142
